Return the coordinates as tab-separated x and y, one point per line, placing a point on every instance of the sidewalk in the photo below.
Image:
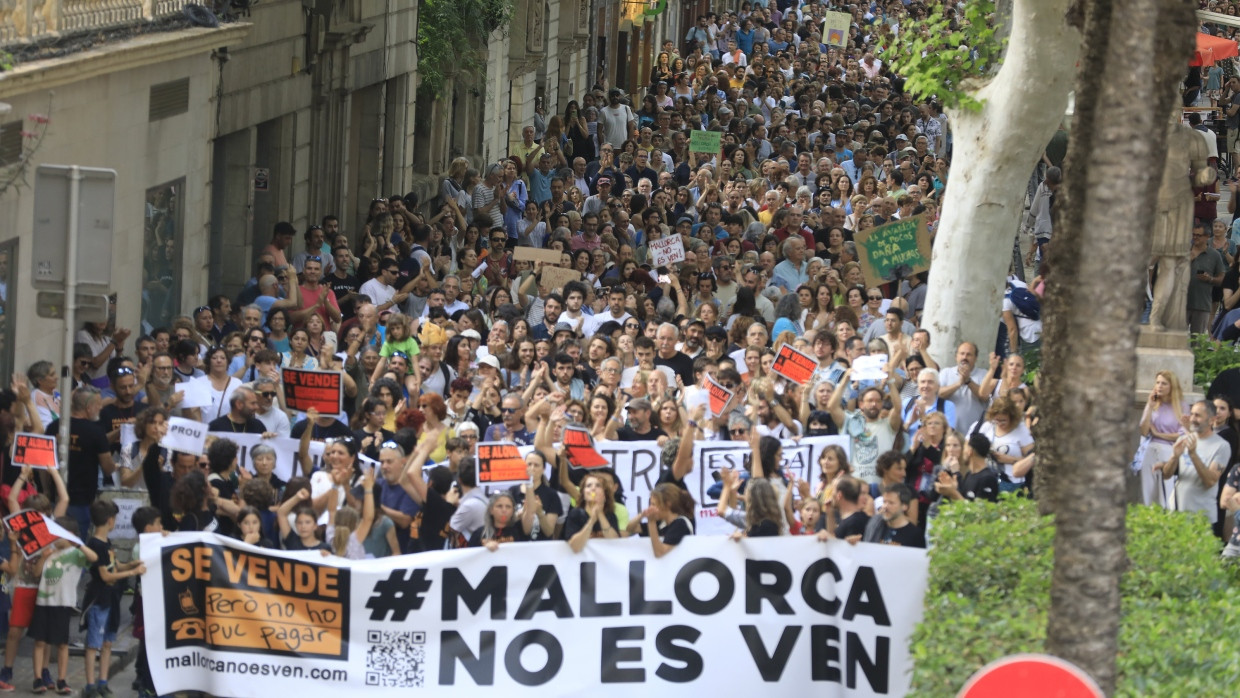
124	652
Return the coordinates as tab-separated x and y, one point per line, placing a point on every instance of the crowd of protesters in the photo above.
445	339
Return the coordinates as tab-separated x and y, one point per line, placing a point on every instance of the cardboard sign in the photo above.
705	141
185	435
794	364
556	277
35	532
895	250
580	451
500	463
719	400
870	368
322	390
35	450
525	253
835	29
666	251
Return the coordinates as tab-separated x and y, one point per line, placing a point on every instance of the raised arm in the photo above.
303	448
368	505
684	453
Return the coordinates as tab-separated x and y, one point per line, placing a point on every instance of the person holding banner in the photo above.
667	520
500	524
870	434
596	518
149	427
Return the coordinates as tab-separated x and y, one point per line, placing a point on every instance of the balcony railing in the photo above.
25	21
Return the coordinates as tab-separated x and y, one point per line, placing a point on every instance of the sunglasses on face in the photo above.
269	396
508	410
737	432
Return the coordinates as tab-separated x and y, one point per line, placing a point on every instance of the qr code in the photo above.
395	659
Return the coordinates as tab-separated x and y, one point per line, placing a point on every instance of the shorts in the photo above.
23	606
97	632
50	624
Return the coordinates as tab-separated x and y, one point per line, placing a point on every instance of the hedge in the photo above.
989	592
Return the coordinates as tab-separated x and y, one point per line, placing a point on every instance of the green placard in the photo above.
897	249
705	141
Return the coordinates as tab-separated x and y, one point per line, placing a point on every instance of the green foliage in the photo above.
449	34
1210	359
989	593
938	53
6	61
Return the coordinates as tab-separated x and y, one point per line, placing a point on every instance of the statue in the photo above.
1173	223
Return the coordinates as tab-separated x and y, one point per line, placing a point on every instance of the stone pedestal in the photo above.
1158	351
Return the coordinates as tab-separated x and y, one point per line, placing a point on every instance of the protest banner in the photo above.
835	29
185	435
322	390
794	364
720	398
872	367
666	251
630	375
35	450
286	452
34	531
705	141
712	617
127	501
500	463
579	449
524	253
894	251
556	277
637	465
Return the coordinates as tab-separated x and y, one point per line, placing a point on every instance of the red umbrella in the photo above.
1211	49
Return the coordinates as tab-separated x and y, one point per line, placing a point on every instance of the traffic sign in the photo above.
91	307
1030	676
96	203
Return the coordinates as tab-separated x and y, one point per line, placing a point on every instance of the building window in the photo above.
10	143
161	255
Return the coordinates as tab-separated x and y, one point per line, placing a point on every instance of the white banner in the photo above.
712	617
286	452
637	463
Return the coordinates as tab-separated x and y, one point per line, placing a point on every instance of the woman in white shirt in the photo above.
1010	442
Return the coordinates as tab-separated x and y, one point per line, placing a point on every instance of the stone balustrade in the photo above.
28	21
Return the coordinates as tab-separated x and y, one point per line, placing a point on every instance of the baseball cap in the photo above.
472	334
489	360
564	327
640	403
684	219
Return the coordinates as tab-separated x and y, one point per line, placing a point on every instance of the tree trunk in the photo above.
1135	53
994	150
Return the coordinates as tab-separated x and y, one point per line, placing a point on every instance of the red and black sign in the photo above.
580	451
322	390
794	364
35	450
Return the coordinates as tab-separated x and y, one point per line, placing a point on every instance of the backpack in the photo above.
1027	305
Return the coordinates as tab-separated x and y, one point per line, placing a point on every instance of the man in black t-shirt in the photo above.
977	481
639	427
124	408
241	419
89	452
324	428
892	526
343	284
667	355
848	503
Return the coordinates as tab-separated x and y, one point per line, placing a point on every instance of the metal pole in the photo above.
71	272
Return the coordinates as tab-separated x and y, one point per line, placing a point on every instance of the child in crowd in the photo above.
250	525
306	523
145	520
62	569
103	598
398	339
25	573
346	529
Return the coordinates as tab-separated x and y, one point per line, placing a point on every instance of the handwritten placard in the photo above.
705	141
666	251
895	250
